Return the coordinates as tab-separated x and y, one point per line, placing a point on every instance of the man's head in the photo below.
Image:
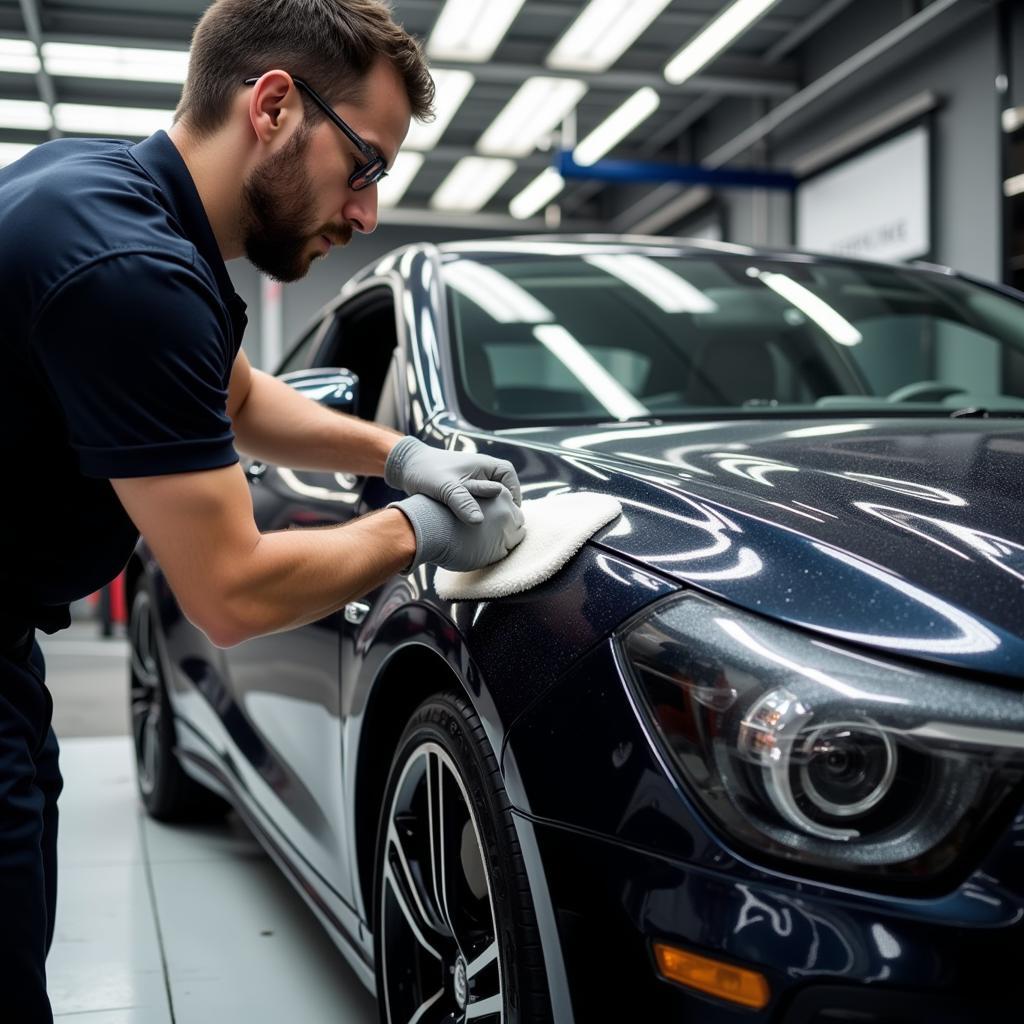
297	197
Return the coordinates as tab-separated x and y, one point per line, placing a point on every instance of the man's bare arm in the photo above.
234	583
275	423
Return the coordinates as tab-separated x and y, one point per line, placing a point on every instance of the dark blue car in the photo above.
756	753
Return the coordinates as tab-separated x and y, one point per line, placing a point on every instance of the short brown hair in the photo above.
332	44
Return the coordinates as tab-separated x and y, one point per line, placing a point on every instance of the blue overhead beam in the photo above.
636	172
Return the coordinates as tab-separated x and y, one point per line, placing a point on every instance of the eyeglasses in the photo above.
366	174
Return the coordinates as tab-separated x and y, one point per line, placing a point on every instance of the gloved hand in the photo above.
443	539
457	479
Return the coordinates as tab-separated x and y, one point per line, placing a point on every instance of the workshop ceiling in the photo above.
757	66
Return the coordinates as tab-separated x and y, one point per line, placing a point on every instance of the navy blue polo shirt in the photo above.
118	332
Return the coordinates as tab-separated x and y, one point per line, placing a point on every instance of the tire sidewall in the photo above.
450	722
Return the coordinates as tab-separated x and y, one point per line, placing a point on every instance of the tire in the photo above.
167	793
465	936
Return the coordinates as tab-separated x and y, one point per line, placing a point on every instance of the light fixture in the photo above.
451	88
602	33
499	297
538	193
79	60
19	56
662	286
589	372
31	114
614	128
134	122
11	151
836	326
472	183
538	107
1013	186
714	38
470	30
391	189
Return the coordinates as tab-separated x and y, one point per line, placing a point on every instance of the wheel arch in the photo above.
411	675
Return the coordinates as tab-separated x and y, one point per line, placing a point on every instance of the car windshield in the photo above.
614	334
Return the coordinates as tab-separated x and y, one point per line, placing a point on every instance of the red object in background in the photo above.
112	604
118	611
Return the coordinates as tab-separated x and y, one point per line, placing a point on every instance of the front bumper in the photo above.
628	863
825	960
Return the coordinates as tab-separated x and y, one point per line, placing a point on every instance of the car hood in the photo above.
905	535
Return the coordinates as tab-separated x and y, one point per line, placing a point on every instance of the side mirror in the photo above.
337	389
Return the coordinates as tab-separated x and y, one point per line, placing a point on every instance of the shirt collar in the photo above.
160	159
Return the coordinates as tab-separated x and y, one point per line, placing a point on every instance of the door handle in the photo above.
356	612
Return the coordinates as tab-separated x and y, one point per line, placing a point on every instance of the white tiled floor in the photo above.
162	925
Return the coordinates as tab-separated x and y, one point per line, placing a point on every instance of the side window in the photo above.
302	352
362	337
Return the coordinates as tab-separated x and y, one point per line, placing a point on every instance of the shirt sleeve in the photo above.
139	350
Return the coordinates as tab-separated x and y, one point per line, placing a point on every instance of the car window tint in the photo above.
302	351
619	335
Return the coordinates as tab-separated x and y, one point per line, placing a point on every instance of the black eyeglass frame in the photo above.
366	174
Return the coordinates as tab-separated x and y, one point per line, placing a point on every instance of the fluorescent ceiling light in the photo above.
538	193
539	105
611	131
135	122
500	298
603	33
1013	186
837	327
713	39
589	372
31	114
19	56
470	30
452	87
662	286
122	62
400	176
472	183
11	151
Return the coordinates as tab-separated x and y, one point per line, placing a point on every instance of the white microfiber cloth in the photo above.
556	528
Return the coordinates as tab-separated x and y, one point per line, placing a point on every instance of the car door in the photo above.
287	685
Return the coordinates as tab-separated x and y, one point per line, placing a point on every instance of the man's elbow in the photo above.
224	623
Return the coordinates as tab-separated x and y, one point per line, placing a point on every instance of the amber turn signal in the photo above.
737	985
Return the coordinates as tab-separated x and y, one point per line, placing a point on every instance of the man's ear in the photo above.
274	103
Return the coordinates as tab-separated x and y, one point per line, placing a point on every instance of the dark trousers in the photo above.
30	783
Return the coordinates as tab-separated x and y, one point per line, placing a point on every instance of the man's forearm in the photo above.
294	577
278	425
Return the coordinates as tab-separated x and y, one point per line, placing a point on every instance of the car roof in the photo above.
584	244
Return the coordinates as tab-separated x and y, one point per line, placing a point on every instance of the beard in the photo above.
279	214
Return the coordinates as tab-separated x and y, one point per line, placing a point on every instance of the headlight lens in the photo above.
814	754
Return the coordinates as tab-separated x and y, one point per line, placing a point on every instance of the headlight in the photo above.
821	756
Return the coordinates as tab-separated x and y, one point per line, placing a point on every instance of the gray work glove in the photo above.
443	539
457	479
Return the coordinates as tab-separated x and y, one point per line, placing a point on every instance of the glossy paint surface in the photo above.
901	536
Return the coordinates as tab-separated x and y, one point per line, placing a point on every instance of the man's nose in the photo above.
361	210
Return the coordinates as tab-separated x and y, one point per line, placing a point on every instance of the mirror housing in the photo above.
336	388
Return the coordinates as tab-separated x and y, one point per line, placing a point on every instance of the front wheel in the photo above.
456	936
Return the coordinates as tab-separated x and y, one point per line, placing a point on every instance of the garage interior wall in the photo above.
956	60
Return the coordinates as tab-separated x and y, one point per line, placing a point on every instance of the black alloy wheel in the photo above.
167	793
456	937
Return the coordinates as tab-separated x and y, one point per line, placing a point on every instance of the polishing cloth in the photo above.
556	528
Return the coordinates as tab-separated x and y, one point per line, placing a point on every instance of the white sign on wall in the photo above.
875	205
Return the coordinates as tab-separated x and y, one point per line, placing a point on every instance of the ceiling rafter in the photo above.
33	28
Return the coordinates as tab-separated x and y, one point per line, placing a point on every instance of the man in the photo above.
124	393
